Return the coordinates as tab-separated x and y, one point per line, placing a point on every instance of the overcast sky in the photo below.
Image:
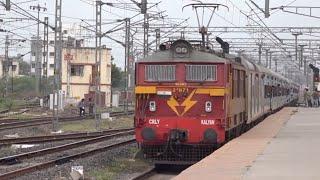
75	10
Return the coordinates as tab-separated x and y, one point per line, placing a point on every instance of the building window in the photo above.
160	72
77	70
51	42
51	54
33	53
51	65
201	72
14	67
33	65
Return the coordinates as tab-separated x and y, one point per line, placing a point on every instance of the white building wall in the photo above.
81	85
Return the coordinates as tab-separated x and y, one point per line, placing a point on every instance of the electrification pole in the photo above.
267	53
57	62
296	34
260	52
127	56
158	38
98	65
45	54
270	60
301	55
6	64
38	47
145	27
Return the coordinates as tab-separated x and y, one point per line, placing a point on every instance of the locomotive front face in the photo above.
180	102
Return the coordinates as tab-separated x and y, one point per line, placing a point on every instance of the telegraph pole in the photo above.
38	57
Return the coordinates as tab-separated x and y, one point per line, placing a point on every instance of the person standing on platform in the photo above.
81	107
315	97
307	98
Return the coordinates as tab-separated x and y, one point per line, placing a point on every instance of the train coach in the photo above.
191	100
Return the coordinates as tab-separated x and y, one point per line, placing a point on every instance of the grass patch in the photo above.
90	124
120	166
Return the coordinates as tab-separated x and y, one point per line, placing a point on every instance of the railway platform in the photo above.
285	145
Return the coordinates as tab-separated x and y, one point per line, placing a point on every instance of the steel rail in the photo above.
146	174
59	137
63	160
17	158
6	124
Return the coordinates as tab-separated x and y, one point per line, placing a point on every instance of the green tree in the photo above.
24	68
117	76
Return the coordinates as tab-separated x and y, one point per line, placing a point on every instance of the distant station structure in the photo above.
13	66
78	73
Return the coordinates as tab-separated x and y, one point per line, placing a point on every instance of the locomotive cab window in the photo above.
201	72
159	73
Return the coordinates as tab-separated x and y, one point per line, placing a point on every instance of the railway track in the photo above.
19	157
59	161
60	137
146	174
4	111
161	172
6	124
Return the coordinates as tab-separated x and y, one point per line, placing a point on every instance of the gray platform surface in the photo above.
294	153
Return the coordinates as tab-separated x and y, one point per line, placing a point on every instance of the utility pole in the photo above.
127	56
267	53
38	47
270	60
6	64
158	38
57	62
260	52
301	55
305	65
144	5
296	34
276	63
45	54
98	65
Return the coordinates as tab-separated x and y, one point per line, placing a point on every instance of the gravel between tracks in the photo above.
93	163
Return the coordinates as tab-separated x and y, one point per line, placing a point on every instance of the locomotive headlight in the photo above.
208	106
178	50
181	50
152	106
